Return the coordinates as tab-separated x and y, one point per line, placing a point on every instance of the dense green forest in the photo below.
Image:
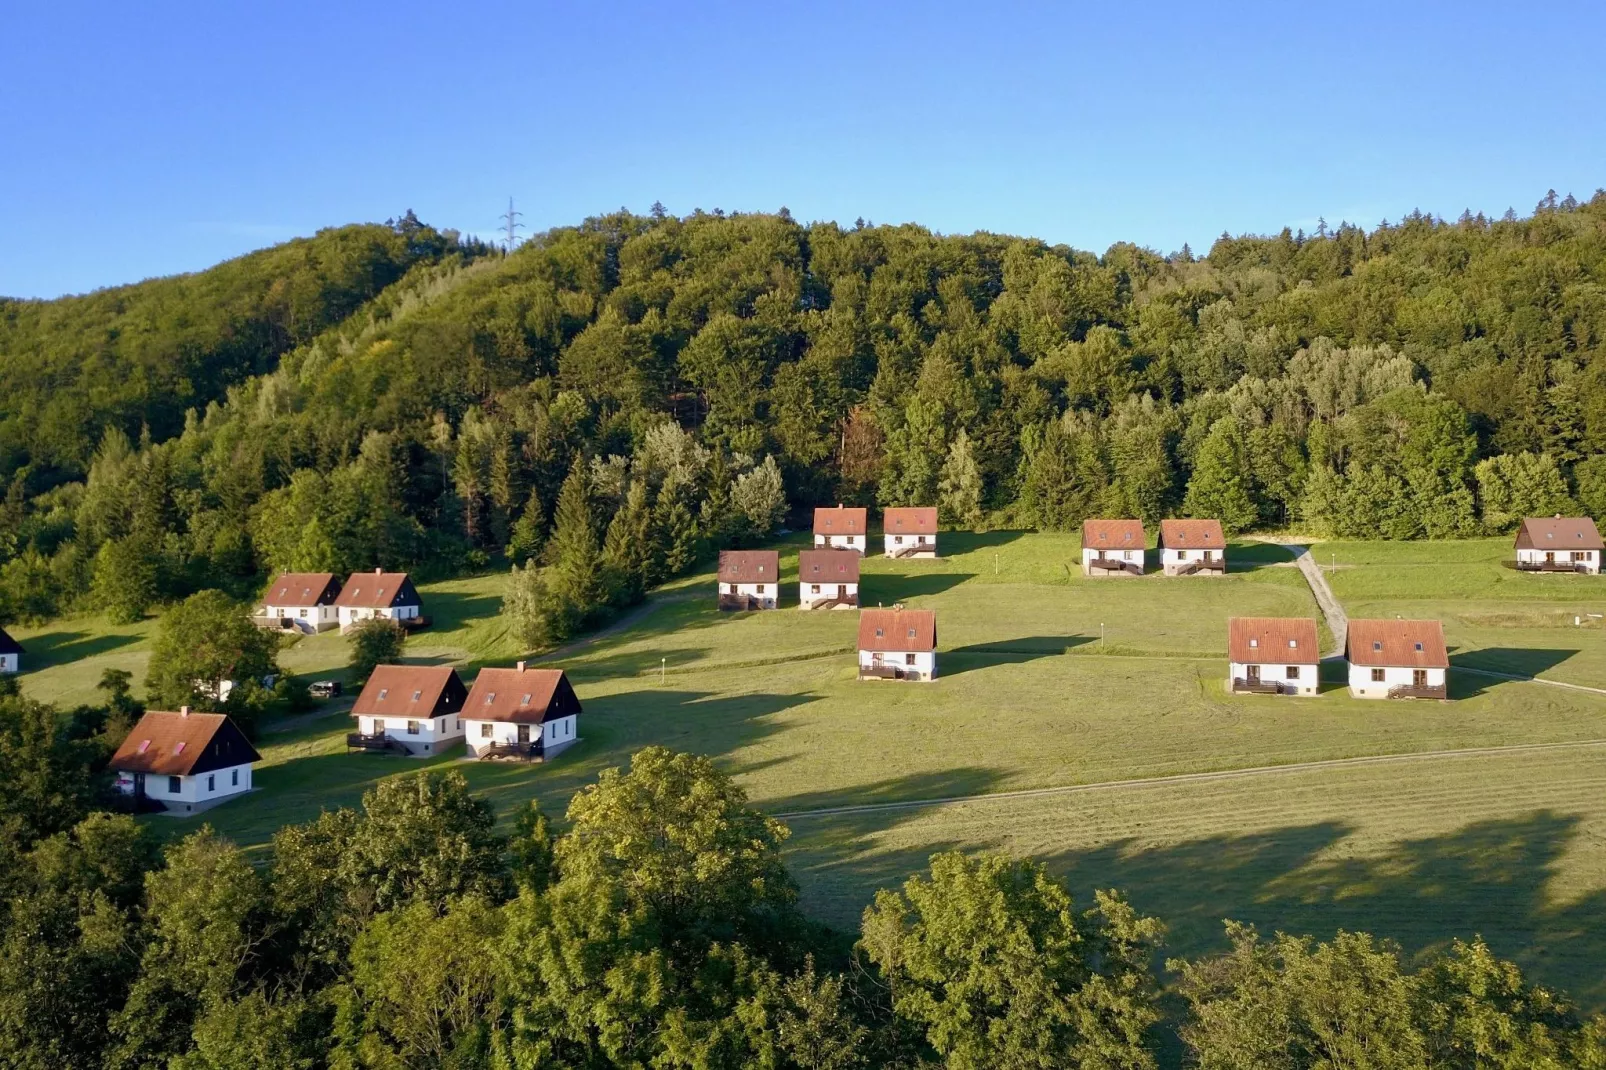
660	929
391	395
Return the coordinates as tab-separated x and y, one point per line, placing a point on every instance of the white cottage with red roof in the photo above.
1559	544
1113	547
1192	548
409	709
184	761
302	602
749	579
1397	659
389	595
522	713
840	528
898	644
827	579
1272	655
909	532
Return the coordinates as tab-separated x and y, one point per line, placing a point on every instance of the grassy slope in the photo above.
1029	697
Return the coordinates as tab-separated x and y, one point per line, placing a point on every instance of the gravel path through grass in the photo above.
1337	620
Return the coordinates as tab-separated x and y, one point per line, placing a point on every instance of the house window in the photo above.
1182	555
908	659
732	588
383	692
814	588
879	633
417	695
235	779
457	724
1254	642
1377	676
1376	645
921	540
1293	672
485	729
761	588
412	728
442	728
1419	648
303	614
898	539
173	787
211	782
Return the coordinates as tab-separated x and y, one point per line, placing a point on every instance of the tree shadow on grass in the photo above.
1007	652
450	610
59	648
1253	556
878	589
951	543
1518	661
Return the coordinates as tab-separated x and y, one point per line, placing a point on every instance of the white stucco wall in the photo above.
1307	684
1591	558
819	592
8	663
192	790
893	543
307	618
1171	560
1362	685
765	593
924	663
350	615
430	730
558	732
839	542
1088	554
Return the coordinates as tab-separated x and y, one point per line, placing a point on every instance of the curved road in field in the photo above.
1337	619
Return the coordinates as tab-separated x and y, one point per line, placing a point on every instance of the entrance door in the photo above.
1419	678
524	733
841	590
1254	673
139	785
1550	557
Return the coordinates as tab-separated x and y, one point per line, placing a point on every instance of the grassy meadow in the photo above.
1048	679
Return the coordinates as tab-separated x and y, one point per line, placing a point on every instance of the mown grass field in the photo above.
1031	696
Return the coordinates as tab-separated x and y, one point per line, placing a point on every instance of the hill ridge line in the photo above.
1196	778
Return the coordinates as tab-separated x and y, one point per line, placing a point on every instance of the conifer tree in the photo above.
524	541
1220	487
959	488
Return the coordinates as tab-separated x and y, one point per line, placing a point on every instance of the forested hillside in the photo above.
385	396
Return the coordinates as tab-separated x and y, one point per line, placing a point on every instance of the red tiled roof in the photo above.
1558	533
1112	535
303	589
520	696
840	520
901	630
182	744
376	590
1272	641
749	566
918	520
411	691
828	566
1414	644
1192	535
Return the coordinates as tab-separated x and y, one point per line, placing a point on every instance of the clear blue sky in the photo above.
146	139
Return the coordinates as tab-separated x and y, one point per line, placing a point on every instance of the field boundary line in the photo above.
1198	778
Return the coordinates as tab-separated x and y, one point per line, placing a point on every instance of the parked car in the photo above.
324	688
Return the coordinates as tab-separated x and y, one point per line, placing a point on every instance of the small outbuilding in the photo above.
301	602
390	595
11	653
910	532
415	710
1273	655
1559	544
840	528
184	762
1192	548
1113	547
1397	659
530	715
749	579
898	644
828	579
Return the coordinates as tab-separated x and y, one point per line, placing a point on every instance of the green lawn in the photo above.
1494	617
1030	696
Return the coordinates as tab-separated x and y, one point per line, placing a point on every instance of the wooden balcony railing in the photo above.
1115	564
738	602
914	548
1552	566
1419	691
1258	687
1188	568
849	600
375	743
514	752
889	672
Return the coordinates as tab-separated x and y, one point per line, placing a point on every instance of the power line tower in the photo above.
510	221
